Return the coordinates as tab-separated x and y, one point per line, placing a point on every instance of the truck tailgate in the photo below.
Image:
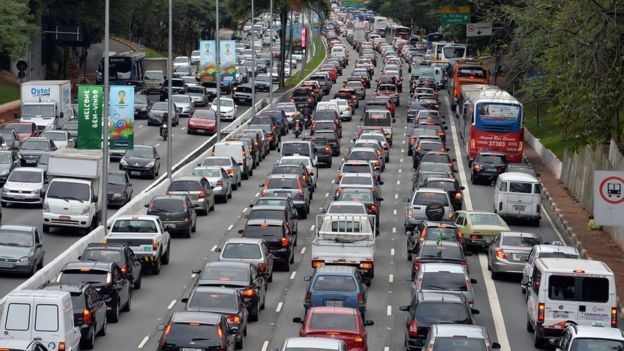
342	253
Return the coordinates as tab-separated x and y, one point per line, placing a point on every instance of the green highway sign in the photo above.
353	3
455	18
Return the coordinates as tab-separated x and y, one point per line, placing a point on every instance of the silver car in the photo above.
22	249
198	95
185	103
509	252
219	179
197	189
254	251
423	197
449	277
25	185
232	168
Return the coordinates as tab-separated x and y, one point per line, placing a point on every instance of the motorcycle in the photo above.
164	131
297	127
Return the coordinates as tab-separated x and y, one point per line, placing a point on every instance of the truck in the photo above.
72	199
46	103
345	239
146	237
155	73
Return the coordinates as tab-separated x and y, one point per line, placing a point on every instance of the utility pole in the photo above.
253	63
104	187
218	61
169	101
271	51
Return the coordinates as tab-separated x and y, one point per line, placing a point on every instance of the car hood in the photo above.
137	161
16	252
63	207
23	186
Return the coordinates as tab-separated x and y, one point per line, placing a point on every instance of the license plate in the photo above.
136	173
19	196
519	257
519	207
190	349
201	131
334	303
147	247
560	314
490	169
170	225
64	218
6	265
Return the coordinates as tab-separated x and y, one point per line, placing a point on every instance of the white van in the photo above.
328	105
239	151
565	290
46	315
518	195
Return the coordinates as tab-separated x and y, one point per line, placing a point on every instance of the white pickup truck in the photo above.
345	239
146	236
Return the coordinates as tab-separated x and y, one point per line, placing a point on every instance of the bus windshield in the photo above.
490	112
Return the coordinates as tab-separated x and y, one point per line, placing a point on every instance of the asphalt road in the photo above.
501	303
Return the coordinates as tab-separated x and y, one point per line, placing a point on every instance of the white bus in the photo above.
379	25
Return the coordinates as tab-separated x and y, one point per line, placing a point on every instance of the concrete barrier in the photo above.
548	157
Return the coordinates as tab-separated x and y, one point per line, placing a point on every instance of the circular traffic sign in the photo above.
612	190
471	28
21	65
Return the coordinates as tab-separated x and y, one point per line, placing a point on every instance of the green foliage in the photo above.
317	59
16	27
8	91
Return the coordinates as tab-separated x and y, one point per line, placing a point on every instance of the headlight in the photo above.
5	172
35	192
123	162
151	164
117	195
24	259
5	190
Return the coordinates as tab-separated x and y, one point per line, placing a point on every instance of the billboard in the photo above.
227	55
121	117
90	102
207	60
297	32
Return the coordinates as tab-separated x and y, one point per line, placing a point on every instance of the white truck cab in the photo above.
40	314
579	337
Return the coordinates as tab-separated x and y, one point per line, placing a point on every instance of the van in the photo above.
438	75
569	290
518	195
328	105
41	314
239	151
297	148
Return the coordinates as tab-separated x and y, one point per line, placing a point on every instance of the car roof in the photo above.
331	310
137	217
571	265
430	190
218	264
319	343
170	197
520	234
214	289
517	176
187	178
20	228
586	331
243	241
198	317
268	208
442	267
557	248
440	243
282	175
451	330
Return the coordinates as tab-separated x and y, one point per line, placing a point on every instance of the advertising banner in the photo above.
208	60
90	101
227	55
121	117
297	31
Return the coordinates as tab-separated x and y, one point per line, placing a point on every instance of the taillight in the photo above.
249	292
410	212
541	310
124	269
501	254
202	194
477	167
61	346
327	149
367	265
361	298
461	236
308	297
219	183
234	319
413	329
416	266
220	332
359	340
309	99
284	241
292	100
154	245
86	316
165	333
301	193
468	284
613	317
317	264
413	140
520	146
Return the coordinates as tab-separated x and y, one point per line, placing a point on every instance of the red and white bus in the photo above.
490	119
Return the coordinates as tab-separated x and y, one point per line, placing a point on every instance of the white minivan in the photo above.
569	290
239	151
518	195
41	314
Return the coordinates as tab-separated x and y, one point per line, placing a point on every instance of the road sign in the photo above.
608	197
21	65
455	14
353	3
454	9
478	29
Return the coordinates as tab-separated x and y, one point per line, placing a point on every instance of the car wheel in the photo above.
473	178
529	326
156	266
167	256
89	343
253	314
229	195
128	305
3	203
194	227
46	228
235	186
114	315
538	342
270	278
187	233
239	343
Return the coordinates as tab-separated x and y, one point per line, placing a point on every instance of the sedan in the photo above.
24	129
509	252
184	103
8	161
142	106
33	147
22	249
25	185
188	330
62	138
143	159
202	122
229	164
340	322
228	108
479	227
159	112
219	180
119	191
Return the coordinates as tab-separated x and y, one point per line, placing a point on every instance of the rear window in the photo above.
362	155
524	188
263	231
241	250
356	168
18	317
520	241
189	331
447	186
342	209
440	312
356	196
443	281
216	162
332	321
435	158
78	277
492	159
225	274
334	283
267	214
289	149
425	198
566	288
166	205
445	233
184	185
325	115
443	252
46	318
134	226
485	219
282	183
104	255
211	300
459	344
356	181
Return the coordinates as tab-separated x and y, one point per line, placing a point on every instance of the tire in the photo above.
89	343
157	266
239	343
3	203
495	275
229	196
529	326
187	233
40	265
33	271
473	179
234	186
538	342
46	228
212	208
128	305
114	315
167	256
253	314
270	278
137	284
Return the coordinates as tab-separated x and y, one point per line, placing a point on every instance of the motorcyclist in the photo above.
163	129
298	124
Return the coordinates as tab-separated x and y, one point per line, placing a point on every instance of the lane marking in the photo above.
497	313
398	182
396	196
390	278
303	250
230	227
394	212
213	248
393	230
402	150
157	145
292	275
143	342
193	275
265	345
326	194
386	348
279	307
173	302
401	160
245	209
400	170
141	126
183	128
389	311
312	228
403	141
392	252
257	194
552	224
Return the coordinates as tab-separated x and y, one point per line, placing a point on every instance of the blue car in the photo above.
336	286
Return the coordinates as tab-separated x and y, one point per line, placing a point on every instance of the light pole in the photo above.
271	51
105	160
253	64
169	101
218	61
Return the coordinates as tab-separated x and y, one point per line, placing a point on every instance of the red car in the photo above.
24	129
333	75
202	122
341	323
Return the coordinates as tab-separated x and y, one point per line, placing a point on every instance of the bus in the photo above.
379	25
491	119
467	72
400	32
431	37
124	69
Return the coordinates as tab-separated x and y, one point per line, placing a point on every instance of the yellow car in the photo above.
479	228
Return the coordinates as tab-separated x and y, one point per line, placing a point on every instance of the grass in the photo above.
152	53
8	92
319	56
547	131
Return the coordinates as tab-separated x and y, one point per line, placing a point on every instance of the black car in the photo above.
451	186
197	330
429	308
225	301
142	106
322	149
280	119
366	196
11	139
424	146
332	140
431	230
487	166
251	284
140	160
89	309
177	87
118	253
32	148
277	201
108	278
119	190
176	212
278	237
304	99
8	161
159	113
438	251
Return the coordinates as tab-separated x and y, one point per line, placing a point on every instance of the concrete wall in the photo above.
548	157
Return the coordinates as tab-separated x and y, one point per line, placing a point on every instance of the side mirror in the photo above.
443	116
94	198
445	127
161	327
404	308
496	345
261	185
394	120
184	300
474	311
307	278
79	258
240	163
381	183
146	205
453	160
251	205
468	253
279	149
218	249
380	199
241	231
196	271
322	210
368	323
297	320
473	281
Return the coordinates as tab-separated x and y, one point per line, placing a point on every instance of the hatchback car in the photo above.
278	212
230	165
254	251
417	204
452	187
487	166
459	337
197	189
277	236
447	277
25	185
32	148
159	113
432	230
510	251
204	330
341	322
219	180
22	249
176	213
439	251
140	160
118	253
119	190
291	185
202	122
336	286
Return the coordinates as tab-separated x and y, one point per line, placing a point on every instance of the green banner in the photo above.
90	102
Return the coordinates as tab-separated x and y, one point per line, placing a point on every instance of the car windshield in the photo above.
20	176
226	274
116	178
224	102
77	277
211	300
325	115
166	205
216	161
332	321
151	75
485	219
351	168
204	334
334	283
359	196
205	114
522	241
16	238
289	149
35	145
461	344
105	255
266	214
595	344
141	152
20	127
440	312
8	136
62	190
271	202
207	172
443	281
362	155
184	185
282	183
450	252
262	78
134	226
140	99
56	136
264	231
195	90
241	250
425	198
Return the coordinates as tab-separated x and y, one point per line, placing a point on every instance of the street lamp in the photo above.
271	51
169	101
218	61
105	145
253	63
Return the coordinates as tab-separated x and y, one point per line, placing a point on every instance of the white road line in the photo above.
193	275
143	342
386	348
553	225
390	278
292	275
230	227
401	160
393	230
183	128
389	311
326	194
403	141
173	302
141	126
392	252
257	194
398	182
402	150
303	250
394	212
279	307
312	228
213	248
265	345
245	210
460	166
157	145
396	196
400	170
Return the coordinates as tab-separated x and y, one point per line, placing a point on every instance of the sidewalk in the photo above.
593	244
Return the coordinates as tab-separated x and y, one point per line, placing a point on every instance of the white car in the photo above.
62	138
25	185
181	61
304	160
346	114
195	57
228	108
275	73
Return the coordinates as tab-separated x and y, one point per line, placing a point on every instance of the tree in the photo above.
16	27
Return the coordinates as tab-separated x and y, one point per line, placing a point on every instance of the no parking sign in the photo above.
609	198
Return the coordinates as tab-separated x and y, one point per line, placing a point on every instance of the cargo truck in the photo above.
46	102
72	199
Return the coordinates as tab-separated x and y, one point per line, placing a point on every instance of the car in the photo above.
120	254
304	99
322	150
430	308
298	169
346	111
423	146
291	185
210	331
89	309
219	179
358	86
363	142
25	345
297	148
290	109
10	139
22	249
367	154
447	277
119	190
509	252
581	337
263	82
420	200
277	212
554	249
341	322
332	140
25	185
280	119
176	213
229	164
32	148
24	129
452	187
439	251
198	95
459	337
197	189
432	230
370	199
180	61
112	284
242	94
359	180
336	286
159	113
357	166
277	236
479	227
183	103
225	301
8	161
306	161
254	251
142	159
487	166
320	344
228	108
62	138
142	106
243	276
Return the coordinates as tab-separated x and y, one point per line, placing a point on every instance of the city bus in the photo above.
490	119
124	69
400	32
379	25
